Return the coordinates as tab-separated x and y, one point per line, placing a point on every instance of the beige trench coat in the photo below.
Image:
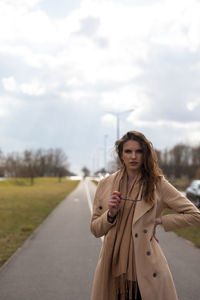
153	274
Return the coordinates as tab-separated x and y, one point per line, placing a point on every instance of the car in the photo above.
193	192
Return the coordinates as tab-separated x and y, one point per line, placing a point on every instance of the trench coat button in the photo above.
148	253
136	235
154	274
100	207
145	230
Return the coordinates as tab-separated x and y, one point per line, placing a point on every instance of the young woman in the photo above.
128	206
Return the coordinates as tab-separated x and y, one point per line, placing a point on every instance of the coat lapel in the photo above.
140	209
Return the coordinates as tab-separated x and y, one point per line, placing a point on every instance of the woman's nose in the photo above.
133	154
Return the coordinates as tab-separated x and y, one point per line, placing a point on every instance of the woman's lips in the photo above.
133	163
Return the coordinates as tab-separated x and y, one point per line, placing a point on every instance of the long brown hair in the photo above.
150	170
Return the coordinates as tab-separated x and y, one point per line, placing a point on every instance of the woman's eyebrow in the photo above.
132	150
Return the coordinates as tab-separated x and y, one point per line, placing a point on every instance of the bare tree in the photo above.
39	163
180	161
86	171
60	163
2	164
13	165
29	165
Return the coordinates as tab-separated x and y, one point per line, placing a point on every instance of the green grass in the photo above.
181	183
95	181
191	233
23	207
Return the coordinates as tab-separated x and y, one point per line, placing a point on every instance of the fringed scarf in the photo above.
123	260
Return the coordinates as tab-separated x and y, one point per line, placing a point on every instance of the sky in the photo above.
68	67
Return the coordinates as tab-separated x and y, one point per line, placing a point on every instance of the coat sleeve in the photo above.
186	212
99	224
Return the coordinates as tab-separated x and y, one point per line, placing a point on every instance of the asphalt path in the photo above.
59	259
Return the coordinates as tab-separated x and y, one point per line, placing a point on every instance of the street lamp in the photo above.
117	115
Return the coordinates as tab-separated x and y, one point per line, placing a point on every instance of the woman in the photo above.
128	206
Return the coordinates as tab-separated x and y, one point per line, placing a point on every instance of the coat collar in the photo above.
141	208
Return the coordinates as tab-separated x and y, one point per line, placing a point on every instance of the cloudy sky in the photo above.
66	65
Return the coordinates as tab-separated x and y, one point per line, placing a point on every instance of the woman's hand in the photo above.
114	203
156	222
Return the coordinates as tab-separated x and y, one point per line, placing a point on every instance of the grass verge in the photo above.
180	183
95	181
24	207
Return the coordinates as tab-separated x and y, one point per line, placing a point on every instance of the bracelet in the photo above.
110	218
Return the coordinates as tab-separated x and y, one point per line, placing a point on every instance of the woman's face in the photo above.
132	155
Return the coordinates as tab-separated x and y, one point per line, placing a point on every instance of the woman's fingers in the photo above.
116	193
114	203
157	222
153	236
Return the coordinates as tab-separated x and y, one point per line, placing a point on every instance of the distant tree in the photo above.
29	165
86	171
39	163
2	164
180	161
13	165
60	164
196	156
53	162
198	173
101	171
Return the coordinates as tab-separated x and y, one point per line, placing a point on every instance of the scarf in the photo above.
123	259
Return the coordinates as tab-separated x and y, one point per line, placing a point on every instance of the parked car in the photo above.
193	192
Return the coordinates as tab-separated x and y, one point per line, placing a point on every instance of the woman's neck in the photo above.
132	175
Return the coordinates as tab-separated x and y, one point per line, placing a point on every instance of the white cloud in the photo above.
193	104
20	3
168	123
8	105
194	136
21	23
32	88
24	53
9	84
74	95
109	119
125	98
2	112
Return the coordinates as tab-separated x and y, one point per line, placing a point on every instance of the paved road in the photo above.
59	259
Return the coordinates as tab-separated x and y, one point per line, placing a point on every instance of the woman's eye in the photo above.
139	151
127	151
